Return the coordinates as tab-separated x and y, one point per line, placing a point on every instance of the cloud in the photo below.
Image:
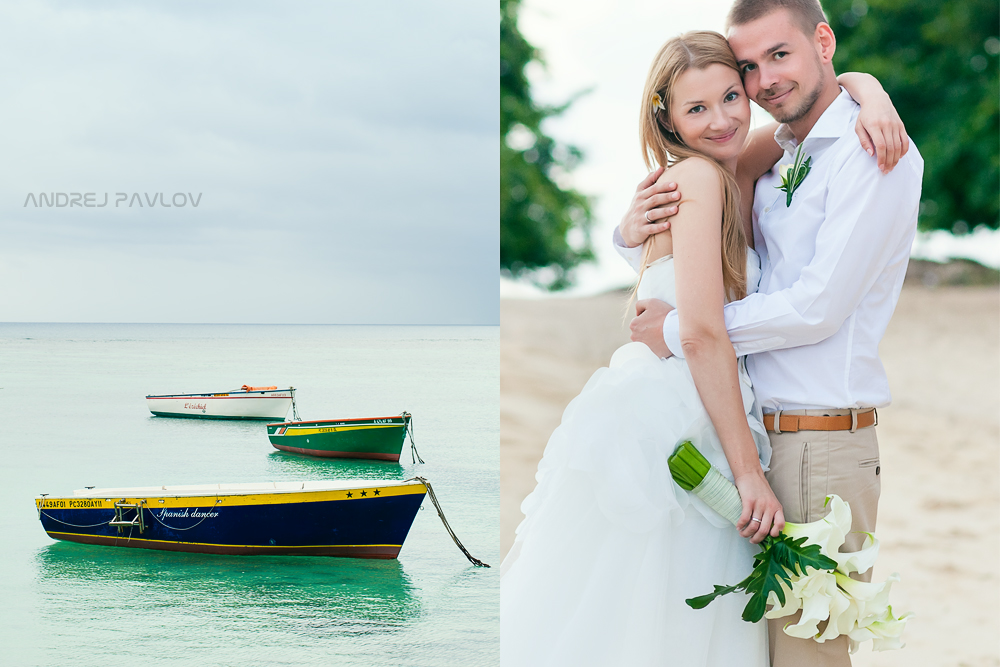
363	138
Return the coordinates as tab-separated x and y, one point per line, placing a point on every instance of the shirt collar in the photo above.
829	126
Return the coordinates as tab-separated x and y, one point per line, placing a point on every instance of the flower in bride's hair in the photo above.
658	103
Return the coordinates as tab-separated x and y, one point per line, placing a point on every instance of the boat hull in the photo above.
265	405
379	438
366	520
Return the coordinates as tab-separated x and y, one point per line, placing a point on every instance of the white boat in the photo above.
246	402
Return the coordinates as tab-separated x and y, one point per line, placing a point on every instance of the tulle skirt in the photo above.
610	547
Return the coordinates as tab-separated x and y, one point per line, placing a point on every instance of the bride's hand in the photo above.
879	127
882	134
760	503
650	210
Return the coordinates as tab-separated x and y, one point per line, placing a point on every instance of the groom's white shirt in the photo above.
832	268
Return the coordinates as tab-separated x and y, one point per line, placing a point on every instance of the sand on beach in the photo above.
939	515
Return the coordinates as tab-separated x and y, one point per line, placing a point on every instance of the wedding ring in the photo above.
647	217
755	519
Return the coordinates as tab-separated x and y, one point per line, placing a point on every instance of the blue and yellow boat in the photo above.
352	518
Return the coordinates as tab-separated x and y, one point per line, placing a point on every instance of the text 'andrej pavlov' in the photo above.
90	199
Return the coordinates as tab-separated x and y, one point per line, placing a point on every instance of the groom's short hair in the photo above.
806	13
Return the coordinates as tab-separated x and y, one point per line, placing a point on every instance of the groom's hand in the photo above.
649	213
647	327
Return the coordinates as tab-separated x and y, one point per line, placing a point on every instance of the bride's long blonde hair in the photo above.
660	146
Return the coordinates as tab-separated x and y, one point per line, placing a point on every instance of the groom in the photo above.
833	264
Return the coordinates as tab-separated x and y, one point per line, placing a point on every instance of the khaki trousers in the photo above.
806	466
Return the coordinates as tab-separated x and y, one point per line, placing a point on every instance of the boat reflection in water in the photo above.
296	466
148	592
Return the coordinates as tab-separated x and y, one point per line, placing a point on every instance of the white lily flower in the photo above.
858	561
844	614
792	602
830	532
885	632
817	591
872	599
783	170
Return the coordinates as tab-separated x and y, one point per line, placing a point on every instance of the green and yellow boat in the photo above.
378	438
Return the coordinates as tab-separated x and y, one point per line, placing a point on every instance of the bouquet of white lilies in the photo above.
802	568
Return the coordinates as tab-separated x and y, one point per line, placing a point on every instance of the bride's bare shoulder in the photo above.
693	175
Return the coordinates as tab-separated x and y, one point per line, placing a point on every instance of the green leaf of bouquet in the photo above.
683	474
703	601
688	466
796	555
778	560
767	576
694	458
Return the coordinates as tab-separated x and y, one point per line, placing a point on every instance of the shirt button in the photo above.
767	210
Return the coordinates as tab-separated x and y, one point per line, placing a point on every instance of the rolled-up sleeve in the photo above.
631	255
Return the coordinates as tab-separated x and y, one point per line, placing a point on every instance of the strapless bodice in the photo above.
658	279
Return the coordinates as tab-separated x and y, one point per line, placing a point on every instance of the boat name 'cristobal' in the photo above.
184	514
195	406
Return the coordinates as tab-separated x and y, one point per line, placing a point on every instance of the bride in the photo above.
610	547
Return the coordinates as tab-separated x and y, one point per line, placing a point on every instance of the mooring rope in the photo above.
430	492
93	525
414	454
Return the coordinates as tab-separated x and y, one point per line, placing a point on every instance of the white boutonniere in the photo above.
793	174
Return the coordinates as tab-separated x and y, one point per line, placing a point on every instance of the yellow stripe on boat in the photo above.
338	429
232	499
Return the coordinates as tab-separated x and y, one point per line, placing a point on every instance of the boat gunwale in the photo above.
207	492
218	394
339	421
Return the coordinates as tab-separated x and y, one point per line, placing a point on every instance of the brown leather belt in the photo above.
793	423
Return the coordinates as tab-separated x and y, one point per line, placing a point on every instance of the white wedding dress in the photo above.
610	546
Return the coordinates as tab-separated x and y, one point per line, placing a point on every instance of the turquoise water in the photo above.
74	415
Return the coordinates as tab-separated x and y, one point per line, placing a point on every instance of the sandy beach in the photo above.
939	516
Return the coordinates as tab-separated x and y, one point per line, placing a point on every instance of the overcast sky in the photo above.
346	157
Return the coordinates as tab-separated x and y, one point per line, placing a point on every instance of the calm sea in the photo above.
74	415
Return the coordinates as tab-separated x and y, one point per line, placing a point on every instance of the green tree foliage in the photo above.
536	214
938	61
